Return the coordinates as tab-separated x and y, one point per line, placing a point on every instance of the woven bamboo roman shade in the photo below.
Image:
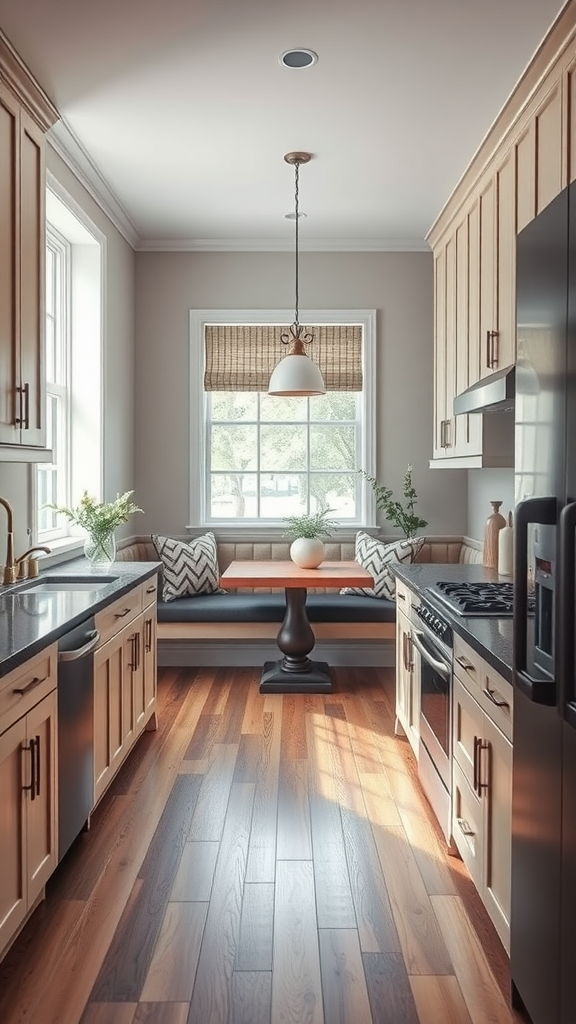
241	357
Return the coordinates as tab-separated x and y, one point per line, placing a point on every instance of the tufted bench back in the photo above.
437	551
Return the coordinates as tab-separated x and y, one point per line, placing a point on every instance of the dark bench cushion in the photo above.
271	608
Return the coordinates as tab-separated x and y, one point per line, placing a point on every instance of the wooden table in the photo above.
295	672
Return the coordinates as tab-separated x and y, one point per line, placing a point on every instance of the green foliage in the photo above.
99	519
314	525
401	515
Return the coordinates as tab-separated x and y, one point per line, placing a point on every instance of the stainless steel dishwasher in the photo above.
75	731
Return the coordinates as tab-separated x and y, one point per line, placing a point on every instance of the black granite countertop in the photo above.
491	637
31	620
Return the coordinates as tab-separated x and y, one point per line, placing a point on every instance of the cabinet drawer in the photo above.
149	591
118	614
467	664
496	698
21	689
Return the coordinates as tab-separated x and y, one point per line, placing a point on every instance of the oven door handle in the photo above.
443	670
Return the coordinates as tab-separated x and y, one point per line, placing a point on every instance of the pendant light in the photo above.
296	374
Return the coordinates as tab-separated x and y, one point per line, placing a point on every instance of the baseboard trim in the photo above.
246	654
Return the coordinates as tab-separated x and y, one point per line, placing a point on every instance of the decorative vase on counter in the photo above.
494	524
100	550
307	552
506	548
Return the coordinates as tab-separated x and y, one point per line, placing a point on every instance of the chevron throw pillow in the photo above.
189	567
377	558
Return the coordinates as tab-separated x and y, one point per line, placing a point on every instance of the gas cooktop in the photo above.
476	598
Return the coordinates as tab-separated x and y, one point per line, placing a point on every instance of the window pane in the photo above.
283	408
336	491
283	447
234	447
332	447
233	496
234	405
282	494
50	276
335	405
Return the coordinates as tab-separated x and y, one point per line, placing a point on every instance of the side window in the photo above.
74	301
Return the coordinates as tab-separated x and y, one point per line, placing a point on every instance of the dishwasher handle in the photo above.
81	651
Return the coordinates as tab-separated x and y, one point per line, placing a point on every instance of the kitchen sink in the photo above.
66	584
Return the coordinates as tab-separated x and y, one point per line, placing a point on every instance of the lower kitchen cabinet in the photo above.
28	773
407	676
124	683
482	804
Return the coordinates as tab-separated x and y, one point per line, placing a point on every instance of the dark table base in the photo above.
315	679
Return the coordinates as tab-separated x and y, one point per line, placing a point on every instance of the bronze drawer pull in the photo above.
468	666
490	694
22	691
120	615
464	827
151	590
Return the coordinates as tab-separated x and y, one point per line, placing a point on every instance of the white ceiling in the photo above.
183	111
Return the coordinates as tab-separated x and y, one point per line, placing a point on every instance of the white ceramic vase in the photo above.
307	552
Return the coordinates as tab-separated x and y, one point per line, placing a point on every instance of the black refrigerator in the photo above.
543	911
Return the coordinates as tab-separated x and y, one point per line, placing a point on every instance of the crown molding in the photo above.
67	145
281	245
17	77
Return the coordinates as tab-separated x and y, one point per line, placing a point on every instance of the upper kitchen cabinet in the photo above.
525	160
25	116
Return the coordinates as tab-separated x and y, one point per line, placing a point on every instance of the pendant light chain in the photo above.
296	194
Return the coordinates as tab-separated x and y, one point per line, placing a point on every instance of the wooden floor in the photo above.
261	860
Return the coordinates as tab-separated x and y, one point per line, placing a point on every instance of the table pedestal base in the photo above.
315	679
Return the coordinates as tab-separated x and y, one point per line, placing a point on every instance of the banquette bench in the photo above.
255	616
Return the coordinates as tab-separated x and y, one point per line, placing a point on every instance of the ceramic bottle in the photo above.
494	524
506	548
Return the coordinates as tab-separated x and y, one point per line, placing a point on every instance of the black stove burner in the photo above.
477	598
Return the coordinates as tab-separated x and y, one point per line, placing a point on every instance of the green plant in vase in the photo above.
400	514
307	549
100	519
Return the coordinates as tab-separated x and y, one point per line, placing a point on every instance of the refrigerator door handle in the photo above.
565	613
543	512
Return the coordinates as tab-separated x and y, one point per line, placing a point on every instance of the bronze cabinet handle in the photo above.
151	590
22	691
464	827
32	787
120	615
148	643
491	696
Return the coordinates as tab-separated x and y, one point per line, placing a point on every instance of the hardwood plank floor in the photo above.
261	860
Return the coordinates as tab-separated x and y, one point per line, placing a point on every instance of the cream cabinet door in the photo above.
439	353
504	344
496	775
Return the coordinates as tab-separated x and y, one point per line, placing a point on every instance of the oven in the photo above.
432	643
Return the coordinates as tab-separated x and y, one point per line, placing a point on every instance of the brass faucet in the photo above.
32	568
9	565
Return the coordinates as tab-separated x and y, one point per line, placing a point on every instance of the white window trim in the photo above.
73	542
199	320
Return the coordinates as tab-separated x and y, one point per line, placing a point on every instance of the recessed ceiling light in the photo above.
298	58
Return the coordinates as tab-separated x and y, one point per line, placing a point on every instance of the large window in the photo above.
74	276
262	458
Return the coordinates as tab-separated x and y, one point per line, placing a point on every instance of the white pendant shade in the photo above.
296	375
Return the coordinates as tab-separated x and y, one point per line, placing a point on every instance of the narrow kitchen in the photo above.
237	783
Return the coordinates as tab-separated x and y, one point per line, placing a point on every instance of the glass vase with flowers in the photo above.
100	519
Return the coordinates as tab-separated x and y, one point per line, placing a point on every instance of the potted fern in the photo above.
307	549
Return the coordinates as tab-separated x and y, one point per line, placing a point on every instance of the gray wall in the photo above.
484	486
398	285
118	381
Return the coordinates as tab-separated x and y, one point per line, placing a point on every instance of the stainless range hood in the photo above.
491	394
